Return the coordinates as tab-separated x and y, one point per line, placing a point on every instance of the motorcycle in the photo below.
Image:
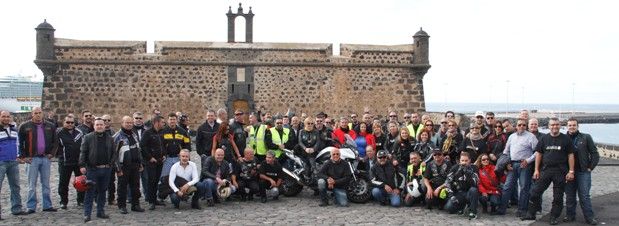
358	191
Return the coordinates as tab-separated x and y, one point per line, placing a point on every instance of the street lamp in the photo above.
507	97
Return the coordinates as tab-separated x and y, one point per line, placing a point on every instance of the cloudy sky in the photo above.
480	50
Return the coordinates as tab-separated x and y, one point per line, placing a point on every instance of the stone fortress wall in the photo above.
120	77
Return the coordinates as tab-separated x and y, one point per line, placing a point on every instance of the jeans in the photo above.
194	199
210	188
494	200
556	176
11	170
101	176
471	197
264	185
380	194
581	186
167	165
340	194
39	167
63	182
523	177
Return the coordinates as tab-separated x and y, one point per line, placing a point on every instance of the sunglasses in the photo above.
428	125
443	122
522	124
309	123
484	159
393	116
474	127
438	154
107	120
87	116
279	123
335	153
69	122
238	114
489	117
498	127
407	117
382	157
137	118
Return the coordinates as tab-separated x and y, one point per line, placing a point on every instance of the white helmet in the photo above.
223	190
413	188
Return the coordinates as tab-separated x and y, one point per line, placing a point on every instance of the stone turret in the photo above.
422	46
45	47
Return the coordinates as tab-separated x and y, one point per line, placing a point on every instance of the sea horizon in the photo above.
471	107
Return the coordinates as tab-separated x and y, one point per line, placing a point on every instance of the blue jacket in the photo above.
8	144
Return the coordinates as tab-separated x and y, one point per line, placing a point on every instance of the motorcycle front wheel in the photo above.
290	187
359	191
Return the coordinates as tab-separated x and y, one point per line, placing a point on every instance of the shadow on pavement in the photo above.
605	208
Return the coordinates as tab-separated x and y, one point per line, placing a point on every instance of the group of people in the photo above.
413	162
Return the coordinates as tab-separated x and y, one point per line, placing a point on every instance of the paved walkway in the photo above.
300	210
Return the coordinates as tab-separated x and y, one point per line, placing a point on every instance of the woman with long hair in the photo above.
380	138
474	142
496	141
224	139
364	139
402	148
488	185
451	141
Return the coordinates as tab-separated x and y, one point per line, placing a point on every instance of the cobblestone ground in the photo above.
300	210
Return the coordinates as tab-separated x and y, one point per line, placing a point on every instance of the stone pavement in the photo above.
300	210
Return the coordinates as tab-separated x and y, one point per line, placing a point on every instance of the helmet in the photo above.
80	183
413	188
443	193
223	190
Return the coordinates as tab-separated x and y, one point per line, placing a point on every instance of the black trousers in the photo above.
63	182
251	184
111	188
264	185
154	174
130	177
556	176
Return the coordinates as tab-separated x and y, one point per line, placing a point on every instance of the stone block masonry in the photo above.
120	77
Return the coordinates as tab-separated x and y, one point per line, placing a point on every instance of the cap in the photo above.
437	151
381	153
479	113
321	115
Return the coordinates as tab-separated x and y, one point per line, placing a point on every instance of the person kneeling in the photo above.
415	187
334	176
462	183
385	181
216	171
184	174
270	177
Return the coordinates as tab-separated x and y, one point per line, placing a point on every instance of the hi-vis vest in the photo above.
412	132
256	139
277	141
410	174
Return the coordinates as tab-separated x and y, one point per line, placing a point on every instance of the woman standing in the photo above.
379	137
496	142
224	139
364	139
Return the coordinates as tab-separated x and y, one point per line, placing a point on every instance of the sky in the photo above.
481	51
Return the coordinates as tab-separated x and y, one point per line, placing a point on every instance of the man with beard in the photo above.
415	127
280	138
138	129
86	126
257	132
325	133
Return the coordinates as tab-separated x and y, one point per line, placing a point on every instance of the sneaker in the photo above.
29	212
137	208
51	209
592	221
554	221
21	212
86	219
123	210
63	206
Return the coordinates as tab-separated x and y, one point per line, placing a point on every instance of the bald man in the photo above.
129	165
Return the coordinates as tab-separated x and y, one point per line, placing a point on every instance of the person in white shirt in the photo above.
184	180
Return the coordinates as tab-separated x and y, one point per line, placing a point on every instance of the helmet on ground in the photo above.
223	190
413	188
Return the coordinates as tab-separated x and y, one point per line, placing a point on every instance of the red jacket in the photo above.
339	135
370	139
488	182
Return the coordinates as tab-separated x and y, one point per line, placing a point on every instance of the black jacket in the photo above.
386	174
204	138
85	129
89	149
307	139
339	171
461	178
27	135
401	151
240	136
127	149
174	140
152	145
210	167
69	146
585	151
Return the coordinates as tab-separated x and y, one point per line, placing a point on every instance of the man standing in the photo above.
334	176
279	138
37	145
587	158
175	138
340	133
520	147
385	178
153	153
534	128
238	129
107	119
257	132
129	164
555	153
415	127
270	176
86	126
139	129
69	141
9	164
204	137
97	158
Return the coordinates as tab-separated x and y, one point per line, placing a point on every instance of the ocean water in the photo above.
602	133
472	107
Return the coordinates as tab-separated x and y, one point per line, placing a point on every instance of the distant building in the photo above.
19	94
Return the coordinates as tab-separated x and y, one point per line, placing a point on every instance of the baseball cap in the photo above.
479	113
381	153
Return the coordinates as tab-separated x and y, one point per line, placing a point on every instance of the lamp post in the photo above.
507	97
